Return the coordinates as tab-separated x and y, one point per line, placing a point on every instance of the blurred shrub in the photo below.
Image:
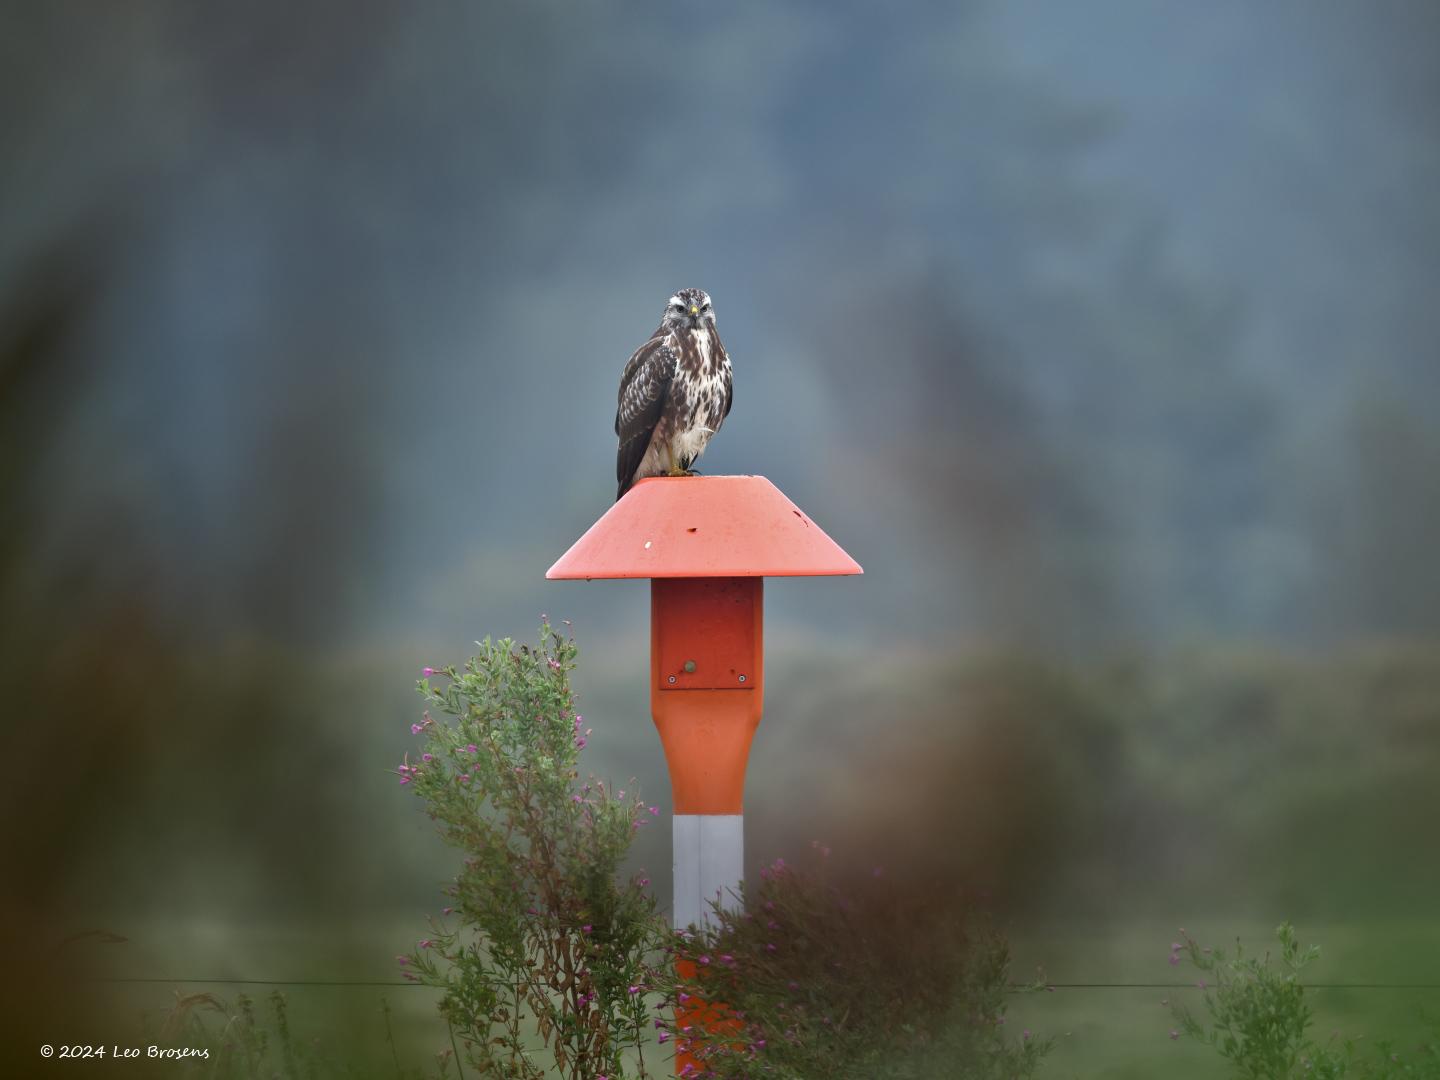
866	981
1224	778
1259	1018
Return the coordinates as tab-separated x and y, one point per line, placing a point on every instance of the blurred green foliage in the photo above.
1259	1018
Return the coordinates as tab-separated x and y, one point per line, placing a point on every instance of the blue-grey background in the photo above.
1105	336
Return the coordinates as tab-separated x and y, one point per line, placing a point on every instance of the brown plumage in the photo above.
674	393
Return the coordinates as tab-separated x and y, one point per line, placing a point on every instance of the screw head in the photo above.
672	678
742	678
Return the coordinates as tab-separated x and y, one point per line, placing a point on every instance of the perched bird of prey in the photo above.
674	394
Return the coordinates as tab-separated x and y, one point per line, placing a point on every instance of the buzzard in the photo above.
674	393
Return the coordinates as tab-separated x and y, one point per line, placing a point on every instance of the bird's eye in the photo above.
706	307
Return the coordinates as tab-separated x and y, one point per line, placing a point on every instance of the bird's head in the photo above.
689	309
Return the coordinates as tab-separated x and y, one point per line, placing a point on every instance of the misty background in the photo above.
1104	336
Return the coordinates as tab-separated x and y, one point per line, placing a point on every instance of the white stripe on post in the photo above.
709	861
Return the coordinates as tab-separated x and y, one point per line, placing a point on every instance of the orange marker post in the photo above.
706	543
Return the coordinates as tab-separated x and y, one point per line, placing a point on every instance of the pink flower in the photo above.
587	928
425	943
402	960
632	989
427	757
428	671
415	729
654	811
472	749
664	1037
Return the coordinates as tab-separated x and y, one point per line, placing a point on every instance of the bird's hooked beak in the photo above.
694	310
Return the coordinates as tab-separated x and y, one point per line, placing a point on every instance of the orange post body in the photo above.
697	1013
707	685
707	693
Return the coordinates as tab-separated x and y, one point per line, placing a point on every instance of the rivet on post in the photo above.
689	667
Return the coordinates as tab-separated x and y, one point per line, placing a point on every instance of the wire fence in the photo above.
1014	986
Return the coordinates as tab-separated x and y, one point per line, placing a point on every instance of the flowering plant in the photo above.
867	980
539	941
